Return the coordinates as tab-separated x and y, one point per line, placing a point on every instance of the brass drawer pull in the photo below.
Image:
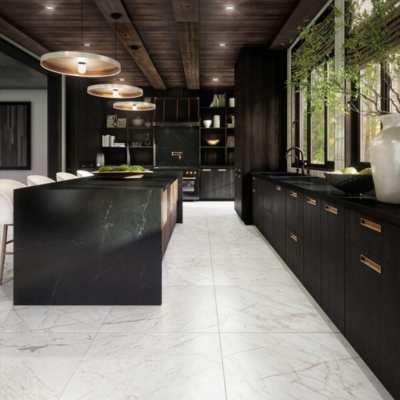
371	264
332	210
278	188
294	237
311	201
373	226
294	195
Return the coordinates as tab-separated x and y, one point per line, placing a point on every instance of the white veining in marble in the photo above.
234	325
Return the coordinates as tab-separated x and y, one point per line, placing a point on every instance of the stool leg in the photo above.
3	252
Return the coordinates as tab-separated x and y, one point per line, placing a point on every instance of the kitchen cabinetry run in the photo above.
217	184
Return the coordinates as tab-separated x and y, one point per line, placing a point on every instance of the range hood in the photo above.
176	112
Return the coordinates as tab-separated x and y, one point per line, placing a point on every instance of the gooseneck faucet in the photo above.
300	160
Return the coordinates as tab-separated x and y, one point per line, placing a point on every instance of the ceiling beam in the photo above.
131	40
186	14
10	32
305	12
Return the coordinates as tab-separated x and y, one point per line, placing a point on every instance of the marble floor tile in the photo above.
150	367
54	319
39	366
293	366
189	309
267	309
189	275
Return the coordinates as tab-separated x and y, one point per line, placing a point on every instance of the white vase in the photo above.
385	160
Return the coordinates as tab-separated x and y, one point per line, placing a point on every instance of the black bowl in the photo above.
351	184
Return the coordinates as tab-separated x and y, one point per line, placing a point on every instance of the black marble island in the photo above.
93	241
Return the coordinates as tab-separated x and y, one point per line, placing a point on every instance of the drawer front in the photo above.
294	210
367	234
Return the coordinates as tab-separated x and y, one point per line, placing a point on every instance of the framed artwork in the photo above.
15	135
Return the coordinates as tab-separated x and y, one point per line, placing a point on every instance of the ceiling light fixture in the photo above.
50	8
78	63
230	7
122	79
115	91
215	79
86	44
134	106
222	44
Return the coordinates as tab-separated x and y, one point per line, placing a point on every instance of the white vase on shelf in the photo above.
385	160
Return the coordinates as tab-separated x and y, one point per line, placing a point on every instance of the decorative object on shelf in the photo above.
217	121
218	101
213	142
137	122
134	106
148	124
207	123
115	91
78	63
231	122
232	102
112	121
100	159
230	142
121	123
350	181
122	172
385	160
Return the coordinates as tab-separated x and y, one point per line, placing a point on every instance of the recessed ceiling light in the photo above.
222	44
86	44
230	7
122	79
50	8
215	79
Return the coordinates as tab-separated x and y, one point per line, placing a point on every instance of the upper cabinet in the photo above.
177	110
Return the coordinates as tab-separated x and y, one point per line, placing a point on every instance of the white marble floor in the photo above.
234	325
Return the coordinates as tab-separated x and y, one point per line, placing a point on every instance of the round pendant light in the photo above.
80	63
134	106
77	63
115	91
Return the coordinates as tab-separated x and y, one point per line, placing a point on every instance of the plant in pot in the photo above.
367	82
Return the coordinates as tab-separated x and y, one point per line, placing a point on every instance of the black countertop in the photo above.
318	187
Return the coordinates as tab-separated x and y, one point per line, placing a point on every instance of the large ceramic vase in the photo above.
385	160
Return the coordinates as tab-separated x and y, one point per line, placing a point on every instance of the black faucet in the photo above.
300	160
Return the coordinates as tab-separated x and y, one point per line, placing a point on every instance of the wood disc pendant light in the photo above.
115	91
134	106
80	64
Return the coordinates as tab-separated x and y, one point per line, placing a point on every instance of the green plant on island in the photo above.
121	168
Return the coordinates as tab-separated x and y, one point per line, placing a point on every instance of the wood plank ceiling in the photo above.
252	22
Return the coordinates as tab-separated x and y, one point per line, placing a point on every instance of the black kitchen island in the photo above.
93	241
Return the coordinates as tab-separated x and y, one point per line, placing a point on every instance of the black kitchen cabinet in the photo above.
294	232
278	219
333	263
364	288
217	184
312	246
258	203
390	308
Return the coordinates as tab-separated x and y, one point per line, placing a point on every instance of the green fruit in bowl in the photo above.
350	171
366	171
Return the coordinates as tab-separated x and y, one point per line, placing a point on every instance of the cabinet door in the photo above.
224	184
207	184
257	203
294	231
391	314
238	191
364	288
333	261
279	220
312	246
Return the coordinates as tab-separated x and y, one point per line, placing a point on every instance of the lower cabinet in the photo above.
312	246
278	219
333	263
217	184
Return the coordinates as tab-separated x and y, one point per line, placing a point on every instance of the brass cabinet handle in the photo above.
331	210
311	201
373	226
278	188
294	195
371	264
294	237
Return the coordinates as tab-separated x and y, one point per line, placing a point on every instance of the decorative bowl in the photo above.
351	184
207	123
212	142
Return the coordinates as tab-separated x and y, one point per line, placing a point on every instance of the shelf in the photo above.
143	128
213	147
212	129
141	147
212	108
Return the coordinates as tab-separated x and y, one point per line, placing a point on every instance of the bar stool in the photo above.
35	180
83	174
65	176
7	188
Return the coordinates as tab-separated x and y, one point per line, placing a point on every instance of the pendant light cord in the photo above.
82	18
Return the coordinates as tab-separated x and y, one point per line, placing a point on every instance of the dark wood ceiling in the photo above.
253	22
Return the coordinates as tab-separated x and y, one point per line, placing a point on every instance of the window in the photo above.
370	125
